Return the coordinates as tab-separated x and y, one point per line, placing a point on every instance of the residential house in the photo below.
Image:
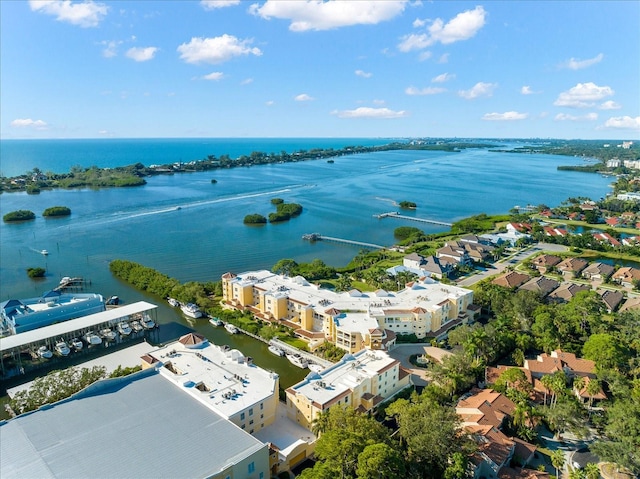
626	276
631	303
541	285
522	228
583	394
571	267
545	262
453	251
560	361
567	291
522	473
597	271
611	299
606	238
552	231
484	407
413	261
429	266
612	221
512	279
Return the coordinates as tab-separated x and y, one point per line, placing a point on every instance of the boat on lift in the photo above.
44	352
62	348
231	328
276	350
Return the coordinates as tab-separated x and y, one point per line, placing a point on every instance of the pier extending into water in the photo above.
319	237
395	214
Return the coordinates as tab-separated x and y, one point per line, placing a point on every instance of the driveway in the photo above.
402	352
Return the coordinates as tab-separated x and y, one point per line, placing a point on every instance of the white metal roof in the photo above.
139	426
59	329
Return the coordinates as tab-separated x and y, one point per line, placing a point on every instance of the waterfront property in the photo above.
352	320
21	315
137	426
360	381
17	351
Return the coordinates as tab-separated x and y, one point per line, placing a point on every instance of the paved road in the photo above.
512	260
418	375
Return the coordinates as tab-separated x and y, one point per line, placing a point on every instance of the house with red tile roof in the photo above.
584	396
522	473
551	231
484	407
606	238
626	276
519	227
512	279
560	361
612	221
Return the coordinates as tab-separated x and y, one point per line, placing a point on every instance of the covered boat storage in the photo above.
15	350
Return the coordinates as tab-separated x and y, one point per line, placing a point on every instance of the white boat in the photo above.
62	349
147	322
275	350
112	301
124	328
44	352
108	334
76	344
215	322
297	360
231	328
191	310
92	338
316	368
136	326
173	302
44	252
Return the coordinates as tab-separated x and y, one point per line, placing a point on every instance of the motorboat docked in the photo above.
215	321
124	328
173	302
92	338
147	322
44	352
191	310
231	328
136	326
108	334
62	349
276	350
316	368
112	301
297	360
76	344
44	252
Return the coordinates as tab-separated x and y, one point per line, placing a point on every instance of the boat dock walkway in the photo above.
319	237
71	283
395	214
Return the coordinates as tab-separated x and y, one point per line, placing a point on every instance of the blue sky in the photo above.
297	68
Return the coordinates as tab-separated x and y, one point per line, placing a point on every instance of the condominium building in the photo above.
361	381
352	320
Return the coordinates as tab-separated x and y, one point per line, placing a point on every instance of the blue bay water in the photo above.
206	236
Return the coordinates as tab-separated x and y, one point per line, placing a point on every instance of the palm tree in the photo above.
557	460
546	381
592	471
593	388
578	384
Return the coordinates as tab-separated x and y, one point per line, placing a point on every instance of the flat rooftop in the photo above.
139	426
220	378
338	379
428	294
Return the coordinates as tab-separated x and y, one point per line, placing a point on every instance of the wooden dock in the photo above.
73	284
395	214
319	237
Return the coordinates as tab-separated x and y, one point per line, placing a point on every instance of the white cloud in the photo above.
85	14
212	4
567	117
526	90
214	76
246	81
320	15
462	27
141	54
367	112
506	116
583	95
29	123
444	58
303	97
417	23
443	77
623	123
216	50
270	103
424	91
378	102
610	105
478	90
363	74
110	48
574	64
424	56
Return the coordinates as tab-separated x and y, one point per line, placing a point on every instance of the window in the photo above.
251	412
242	416
262	475
261	406
252	467
251	421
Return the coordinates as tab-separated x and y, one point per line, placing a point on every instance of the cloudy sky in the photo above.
302	68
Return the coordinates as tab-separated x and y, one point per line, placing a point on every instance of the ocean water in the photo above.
59	156
206	236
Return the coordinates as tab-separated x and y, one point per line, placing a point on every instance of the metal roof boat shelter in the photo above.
12	346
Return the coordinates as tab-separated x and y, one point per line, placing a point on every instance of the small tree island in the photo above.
36	272
19	215
57	211
255	219
408	205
